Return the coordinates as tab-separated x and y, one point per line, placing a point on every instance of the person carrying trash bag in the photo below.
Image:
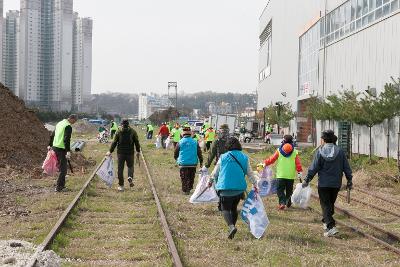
218	147
288	162
330	163
60	140
164	133
187	154
176	134
230	183
126	141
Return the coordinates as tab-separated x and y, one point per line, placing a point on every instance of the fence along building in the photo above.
349	45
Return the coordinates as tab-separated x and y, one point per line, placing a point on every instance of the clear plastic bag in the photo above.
50	164
254	215
301	196
158	142
168	143
106	171
203	194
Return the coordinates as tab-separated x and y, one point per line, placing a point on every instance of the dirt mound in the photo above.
79	161
24	138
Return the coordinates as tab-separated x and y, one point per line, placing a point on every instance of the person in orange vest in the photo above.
209	137
288	162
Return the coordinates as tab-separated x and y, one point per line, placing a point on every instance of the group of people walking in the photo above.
231	165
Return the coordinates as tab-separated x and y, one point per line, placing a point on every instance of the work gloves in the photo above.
68	155
48	148
349	185
108	154
300	176
304	184
204	169
138	157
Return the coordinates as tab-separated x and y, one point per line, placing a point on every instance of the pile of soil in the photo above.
24	138
80	162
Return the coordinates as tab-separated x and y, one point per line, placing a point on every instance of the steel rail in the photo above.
362	220
378	196
170	241
366	235
373	206
56	228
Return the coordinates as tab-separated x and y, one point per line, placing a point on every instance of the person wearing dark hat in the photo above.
126	141
209	137
187	154
330	163
60	141
288	163
218	147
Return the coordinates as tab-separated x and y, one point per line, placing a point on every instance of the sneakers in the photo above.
59	189
281	207
121	188
130	180
232	231
331	232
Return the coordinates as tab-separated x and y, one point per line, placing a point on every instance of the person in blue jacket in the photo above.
230	183
330	163
188	154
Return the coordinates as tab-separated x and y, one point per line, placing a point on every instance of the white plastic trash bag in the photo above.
106	171
203	194
158	142
301	196
267	186
254	215
202	144
168	142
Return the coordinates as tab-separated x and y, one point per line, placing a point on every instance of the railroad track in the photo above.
389	239
89	217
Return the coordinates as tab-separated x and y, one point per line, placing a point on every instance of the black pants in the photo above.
150	135
62	165
112	133
228	206
122	158
175	144
327	199
163	138
187	177
285	191
208	145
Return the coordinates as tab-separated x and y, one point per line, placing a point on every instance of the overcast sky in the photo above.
140	45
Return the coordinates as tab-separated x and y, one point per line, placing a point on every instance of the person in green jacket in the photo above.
60	141
176	134
113	129
288	162
150	130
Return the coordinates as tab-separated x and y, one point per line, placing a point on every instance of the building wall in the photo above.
1	39
289	21
87	32
29	51
11	52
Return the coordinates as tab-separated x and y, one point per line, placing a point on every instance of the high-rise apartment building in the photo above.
82	61
46	54
1	38
10	62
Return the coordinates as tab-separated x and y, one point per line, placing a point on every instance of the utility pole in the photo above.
264	109
279	105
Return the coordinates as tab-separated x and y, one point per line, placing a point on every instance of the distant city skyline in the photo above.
141	45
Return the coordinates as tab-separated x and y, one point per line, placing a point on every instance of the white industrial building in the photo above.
148	104
10	60
318	48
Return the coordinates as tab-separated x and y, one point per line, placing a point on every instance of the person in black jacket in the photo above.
126	140
330	163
